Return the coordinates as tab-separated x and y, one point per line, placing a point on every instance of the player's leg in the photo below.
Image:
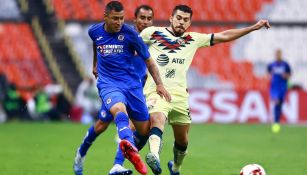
179	148
276	99
118	168
127	145
158	109
180	120
93	132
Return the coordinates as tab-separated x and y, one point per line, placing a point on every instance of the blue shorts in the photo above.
278	94
132	98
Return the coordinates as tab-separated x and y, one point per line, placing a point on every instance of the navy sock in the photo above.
123	129
156	131
180	147
140	141
277	113
119	158
87	141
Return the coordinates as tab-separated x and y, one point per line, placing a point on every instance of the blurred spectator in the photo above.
3	89
63	106
3	86
87	98
14	105
44	110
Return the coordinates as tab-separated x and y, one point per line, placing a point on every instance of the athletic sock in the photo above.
277	113
123	129
87	141
119	158
179	153
155	141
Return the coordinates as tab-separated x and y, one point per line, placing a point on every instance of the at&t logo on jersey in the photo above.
178	60
110	49
162	60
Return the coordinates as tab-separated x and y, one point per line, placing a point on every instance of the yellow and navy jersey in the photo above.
173	55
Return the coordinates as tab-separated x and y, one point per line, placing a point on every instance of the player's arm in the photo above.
95	73
154	72
232	34
287	74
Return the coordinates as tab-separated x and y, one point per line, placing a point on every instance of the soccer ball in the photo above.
252	169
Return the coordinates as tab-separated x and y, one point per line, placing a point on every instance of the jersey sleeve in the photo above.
90	32
269	68
202	39
288	68
139	45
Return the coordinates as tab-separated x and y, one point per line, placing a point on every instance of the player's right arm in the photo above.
142	50
95	73
154	72
92	34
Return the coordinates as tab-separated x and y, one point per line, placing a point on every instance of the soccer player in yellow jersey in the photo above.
173	49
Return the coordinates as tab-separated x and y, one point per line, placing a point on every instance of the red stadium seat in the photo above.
20	57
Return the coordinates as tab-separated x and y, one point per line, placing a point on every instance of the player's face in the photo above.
114	21
180	22
278	55
144	19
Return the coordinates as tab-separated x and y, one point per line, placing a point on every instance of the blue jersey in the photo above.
277	69
140	68
115	56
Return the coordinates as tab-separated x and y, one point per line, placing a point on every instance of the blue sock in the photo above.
277	113
123	129
140	141
119	158
87	141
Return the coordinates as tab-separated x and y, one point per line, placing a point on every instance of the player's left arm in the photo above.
287	74
232	34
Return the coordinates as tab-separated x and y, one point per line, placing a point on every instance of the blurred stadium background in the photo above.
44	46
46	61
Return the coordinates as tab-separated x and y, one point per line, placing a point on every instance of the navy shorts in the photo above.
132	98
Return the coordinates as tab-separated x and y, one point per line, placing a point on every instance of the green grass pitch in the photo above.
214	149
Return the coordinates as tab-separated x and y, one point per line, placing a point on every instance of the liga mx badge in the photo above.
121	37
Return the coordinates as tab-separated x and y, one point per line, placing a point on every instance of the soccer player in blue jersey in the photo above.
120	88
280	72
144	15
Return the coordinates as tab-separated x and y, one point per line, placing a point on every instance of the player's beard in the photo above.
176	32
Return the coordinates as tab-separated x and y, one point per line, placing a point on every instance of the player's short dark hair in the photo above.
145	7
183	8
114	5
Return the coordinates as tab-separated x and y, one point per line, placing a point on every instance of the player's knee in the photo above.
100	126
118	107
157	120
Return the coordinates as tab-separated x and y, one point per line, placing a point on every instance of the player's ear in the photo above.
105	15
171	19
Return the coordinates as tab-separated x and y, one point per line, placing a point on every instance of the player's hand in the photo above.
95	73
285	76
262	23
163	93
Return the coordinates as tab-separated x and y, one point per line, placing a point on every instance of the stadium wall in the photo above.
251	106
